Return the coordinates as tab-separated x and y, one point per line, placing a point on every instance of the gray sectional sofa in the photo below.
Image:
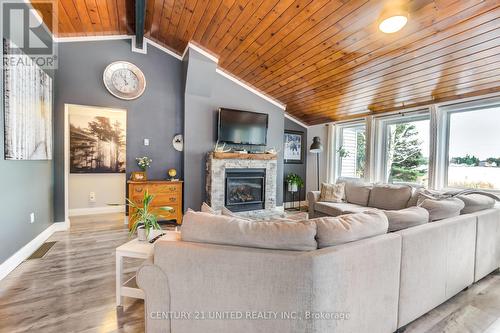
375	284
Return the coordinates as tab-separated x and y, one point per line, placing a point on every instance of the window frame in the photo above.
338	142
448	111
438	115
381	129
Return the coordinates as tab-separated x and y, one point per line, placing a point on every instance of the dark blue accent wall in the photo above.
156	115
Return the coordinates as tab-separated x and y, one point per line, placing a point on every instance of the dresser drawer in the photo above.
156	188
165	215
160	199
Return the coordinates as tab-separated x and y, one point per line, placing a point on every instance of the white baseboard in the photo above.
17	258
97	210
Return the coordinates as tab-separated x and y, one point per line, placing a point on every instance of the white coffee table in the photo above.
133	249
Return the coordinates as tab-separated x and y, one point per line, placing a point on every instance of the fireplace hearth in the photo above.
245	189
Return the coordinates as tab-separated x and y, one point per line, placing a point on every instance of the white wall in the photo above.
322	132
109	189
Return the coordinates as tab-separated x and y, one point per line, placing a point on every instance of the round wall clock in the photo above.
124	80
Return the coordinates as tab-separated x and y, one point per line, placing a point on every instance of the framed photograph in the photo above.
97	139
27	97
138	176
294	147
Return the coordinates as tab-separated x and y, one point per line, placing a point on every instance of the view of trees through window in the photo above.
407	152
352	152
474	149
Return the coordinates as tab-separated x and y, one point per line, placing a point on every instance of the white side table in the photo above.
133	249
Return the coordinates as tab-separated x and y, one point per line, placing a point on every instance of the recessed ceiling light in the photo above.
393	24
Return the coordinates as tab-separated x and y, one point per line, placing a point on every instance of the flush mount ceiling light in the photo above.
393	24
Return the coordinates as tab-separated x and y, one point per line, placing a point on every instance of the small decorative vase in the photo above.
141	234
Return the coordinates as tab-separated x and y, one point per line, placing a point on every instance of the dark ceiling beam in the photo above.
140	18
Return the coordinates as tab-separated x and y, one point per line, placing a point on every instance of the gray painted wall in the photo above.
206	91
156	115
299	169
27	187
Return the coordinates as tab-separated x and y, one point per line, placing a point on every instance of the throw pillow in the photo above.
332	192
205	208
356	191
389	196
226	212
476	202
226	230
406	218
348	228
441	209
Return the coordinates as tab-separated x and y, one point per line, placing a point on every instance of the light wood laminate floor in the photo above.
72	289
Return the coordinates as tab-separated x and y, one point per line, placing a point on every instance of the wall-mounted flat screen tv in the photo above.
242	127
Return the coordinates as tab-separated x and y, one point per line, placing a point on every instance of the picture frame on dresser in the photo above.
294	147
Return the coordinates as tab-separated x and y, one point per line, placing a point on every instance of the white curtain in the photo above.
330	154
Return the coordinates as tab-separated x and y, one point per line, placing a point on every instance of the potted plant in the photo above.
294	182
145	220
343	152
144	163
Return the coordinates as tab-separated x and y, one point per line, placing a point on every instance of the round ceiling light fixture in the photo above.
393	23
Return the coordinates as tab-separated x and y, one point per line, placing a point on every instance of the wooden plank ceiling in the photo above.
325	59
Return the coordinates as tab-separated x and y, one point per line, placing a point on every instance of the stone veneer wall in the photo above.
216	175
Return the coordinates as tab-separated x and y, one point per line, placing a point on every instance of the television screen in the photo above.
242	127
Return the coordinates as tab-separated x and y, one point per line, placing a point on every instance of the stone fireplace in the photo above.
241	182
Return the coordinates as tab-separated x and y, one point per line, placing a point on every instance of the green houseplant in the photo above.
144	218
294	181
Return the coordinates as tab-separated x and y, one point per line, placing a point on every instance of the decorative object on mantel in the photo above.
124	80
172	173
221	149
145	219
316	148
178	142
294	184
294	147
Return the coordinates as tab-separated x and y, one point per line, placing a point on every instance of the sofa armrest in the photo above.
153	281
312	198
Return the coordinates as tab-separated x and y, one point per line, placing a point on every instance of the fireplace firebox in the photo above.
245	189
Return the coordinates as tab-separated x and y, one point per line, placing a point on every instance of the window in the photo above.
351	151
474	149
406	150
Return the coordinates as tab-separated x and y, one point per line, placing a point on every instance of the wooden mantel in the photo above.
219	155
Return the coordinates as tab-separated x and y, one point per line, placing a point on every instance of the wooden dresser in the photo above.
166	193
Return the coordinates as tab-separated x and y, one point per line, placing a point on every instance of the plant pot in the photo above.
292	187
141	233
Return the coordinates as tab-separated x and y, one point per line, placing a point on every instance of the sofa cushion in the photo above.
227	230
441	209
338	208
406	218
356	192
389	196
332	192
415	194
476	202
348	228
